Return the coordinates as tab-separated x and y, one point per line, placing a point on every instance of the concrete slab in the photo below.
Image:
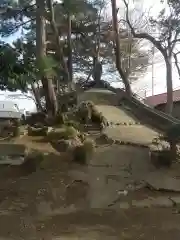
160	181
137	134
176	199
115	114
161	201
12	149
153	202
11	161
12	154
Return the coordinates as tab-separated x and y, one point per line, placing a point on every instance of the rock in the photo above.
161	158
103	139
65	145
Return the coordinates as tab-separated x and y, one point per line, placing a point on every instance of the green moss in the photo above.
16	131
65	132
73	123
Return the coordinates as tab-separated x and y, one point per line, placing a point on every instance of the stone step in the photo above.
12	154
12	149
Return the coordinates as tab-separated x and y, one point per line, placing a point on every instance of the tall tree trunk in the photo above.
58	42
70	67
169	83
173	151
117	48
37	98
97	71
50	97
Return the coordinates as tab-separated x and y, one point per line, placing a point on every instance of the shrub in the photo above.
16	131
66	132
172	135
70	132
82	136
37	131
60	145
89	145
84	111
73	123
87	112
81	154
32	161
60	118
65	145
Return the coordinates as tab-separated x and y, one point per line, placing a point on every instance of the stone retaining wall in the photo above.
99	96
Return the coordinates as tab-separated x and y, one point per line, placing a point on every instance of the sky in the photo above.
143	86
22	104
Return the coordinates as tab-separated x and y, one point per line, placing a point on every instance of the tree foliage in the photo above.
88	29
11	69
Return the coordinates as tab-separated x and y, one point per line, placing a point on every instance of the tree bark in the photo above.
97	71
70	67
58	42
37	98
169	83
173	151
50	97
117	49
176	63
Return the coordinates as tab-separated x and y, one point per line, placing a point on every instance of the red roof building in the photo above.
161	98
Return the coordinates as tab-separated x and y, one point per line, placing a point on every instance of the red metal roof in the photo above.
162	98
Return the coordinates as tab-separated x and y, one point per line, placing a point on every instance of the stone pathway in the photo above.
112	173
132	132
116	114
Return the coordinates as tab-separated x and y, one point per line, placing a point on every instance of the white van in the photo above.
9	110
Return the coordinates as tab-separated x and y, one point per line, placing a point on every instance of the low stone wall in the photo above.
152	117
99	97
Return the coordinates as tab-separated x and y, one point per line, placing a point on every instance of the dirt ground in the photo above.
62	200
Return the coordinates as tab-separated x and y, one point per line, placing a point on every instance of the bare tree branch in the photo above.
143	35
176	62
